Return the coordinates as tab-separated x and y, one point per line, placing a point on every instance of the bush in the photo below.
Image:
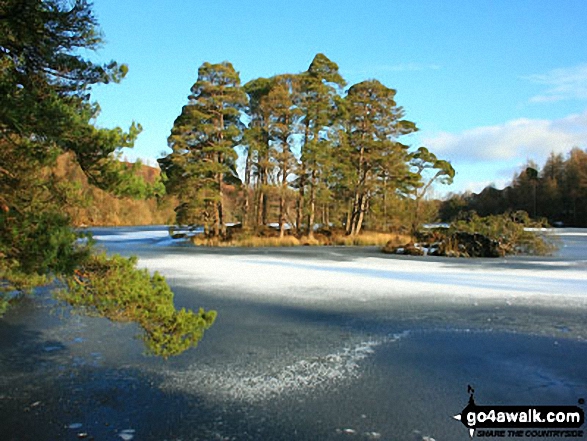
510	230
475	236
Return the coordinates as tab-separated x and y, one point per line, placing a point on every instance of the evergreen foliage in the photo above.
45	113
373	126
509	229
321	85
315	156
203	139
114	288
421	161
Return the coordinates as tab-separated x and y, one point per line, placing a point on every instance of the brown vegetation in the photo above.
271	238
95	207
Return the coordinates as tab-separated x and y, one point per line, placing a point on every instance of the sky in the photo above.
490	84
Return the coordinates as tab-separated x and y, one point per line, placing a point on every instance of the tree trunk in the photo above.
222	229
216	228
363	208
359	195
221	226
282	201
300	203
349	217
247	201
264	211
281	216
301	196
312	205
385	223
261	202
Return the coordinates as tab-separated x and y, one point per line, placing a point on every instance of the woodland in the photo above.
557	192
315	155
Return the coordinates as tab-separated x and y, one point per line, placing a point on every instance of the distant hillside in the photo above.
95	207
556	192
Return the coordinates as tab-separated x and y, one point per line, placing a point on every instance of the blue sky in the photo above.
490	84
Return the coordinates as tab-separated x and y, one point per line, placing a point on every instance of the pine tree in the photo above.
46	112
203	139
373	125
255	143
256	140
284	116
320	88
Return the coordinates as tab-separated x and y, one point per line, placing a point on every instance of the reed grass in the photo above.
372	239
365	239
253	241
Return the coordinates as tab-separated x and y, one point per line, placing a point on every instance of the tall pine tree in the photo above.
320	88
203	139
373	125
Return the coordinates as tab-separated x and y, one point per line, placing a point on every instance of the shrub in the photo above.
510	229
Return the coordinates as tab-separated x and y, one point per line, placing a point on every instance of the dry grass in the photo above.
372	239
252	241
203	241
365	239
313	241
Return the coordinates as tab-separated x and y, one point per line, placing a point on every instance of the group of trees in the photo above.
46	112
312	153
557	192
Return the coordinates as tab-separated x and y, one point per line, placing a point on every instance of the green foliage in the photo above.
319	98
314	155
46	114
513	230
114	288
373	125
40	243
203	139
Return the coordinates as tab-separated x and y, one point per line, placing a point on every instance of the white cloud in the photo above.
518	139
562	84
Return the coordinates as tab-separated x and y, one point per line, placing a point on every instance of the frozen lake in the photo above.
323	343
